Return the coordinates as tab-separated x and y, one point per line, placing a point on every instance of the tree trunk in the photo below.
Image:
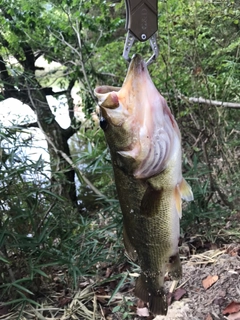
62	175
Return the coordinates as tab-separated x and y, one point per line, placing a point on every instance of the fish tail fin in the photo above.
141	289
157	299
158	304
174	267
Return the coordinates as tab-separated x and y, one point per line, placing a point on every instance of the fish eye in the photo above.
103	123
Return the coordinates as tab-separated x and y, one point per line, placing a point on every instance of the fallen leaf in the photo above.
142	312
64	301
109	271
209	317
233	307
234	316
101	299
220	297
233	250
4	310
179	293
83	284
209	281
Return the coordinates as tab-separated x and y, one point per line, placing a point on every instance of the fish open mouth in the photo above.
143	115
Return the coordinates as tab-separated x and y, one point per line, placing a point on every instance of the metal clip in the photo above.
142	25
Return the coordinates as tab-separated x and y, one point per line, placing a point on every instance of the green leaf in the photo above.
124	277
18	286
4	259
116	309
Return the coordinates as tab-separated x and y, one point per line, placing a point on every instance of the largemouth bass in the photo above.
145	146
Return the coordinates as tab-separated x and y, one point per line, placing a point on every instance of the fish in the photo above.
145	147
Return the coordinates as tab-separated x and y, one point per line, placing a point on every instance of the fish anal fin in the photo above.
130	251
185	190
156	298
174	267
178	201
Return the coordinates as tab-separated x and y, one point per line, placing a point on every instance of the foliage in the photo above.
199	57
42	232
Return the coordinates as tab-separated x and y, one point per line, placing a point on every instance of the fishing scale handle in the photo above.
142	18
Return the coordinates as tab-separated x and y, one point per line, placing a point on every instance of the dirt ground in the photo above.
209	303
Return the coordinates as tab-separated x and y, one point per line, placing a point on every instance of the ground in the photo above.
222	268
209	290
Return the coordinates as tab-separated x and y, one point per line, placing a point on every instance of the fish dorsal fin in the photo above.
151	202
185	190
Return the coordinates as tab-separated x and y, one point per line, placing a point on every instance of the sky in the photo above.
14	112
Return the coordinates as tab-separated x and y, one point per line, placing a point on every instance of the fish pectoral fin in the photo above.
150	202
182	191
185	190
157	299
178	201
130	251
174	267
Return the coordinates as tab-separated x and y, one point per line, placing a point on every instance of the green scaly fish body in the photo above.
145	146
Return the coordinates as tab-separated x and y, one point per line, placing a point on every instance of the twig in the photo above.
81	58
79	54
102	313
182	284
210	102
173	286
45	216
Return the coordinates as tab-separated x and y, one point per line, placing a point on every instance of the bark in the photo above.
62	174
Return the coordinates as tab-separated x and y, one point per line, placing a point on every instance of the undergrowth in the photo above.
42	234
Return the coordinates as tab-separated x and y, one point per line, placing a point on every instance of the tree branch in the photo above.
210	102
28	125
70	99
48	91
78	52
29	62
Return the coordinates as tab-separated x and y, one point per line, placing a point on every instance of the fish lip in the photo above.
137	65
101	90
